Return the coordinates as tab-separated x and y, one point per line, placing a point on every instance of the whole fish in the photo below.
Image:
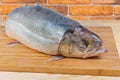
49	32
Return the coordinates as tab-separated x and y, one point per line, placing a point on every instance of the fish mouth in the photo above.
95	52
101	50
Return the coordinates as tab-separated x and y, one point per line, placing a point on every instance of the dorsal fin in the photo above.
37	6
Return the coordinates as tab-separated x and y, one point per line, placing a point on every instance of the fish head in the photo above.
87	42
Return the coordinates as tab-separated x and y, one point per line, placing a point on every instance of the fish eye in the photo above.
82	45
85	43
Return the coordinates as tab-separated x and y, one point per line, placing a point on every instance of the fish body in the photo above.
49	32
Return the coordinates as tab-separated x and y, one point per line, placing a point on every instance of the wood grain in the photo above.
21	58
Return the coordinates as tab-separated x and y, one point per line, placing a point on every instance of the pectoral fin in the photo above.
55	58
13	43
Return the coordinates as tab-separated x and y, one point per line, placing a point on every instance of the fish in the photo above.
50	32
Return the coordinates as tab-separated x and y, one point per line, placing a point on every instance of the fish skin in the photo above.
43	29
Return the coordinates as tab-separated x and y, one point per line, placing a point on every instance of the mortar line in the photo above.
92	2
113	9
47	2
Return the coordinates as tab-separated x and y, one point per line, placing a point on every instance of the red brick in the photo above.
61	9
91	10
105	18
117	10
104	1
79	17
23	1
58	1
79	1
117	1
6	8
69	1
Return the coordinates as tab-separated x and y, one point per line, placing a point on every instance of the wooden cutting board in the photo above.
21	58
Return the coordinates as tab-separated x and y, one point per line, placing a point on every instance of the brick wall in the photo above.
75	9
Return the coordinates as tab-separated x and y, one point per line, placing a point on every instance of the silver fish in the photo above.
49	32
